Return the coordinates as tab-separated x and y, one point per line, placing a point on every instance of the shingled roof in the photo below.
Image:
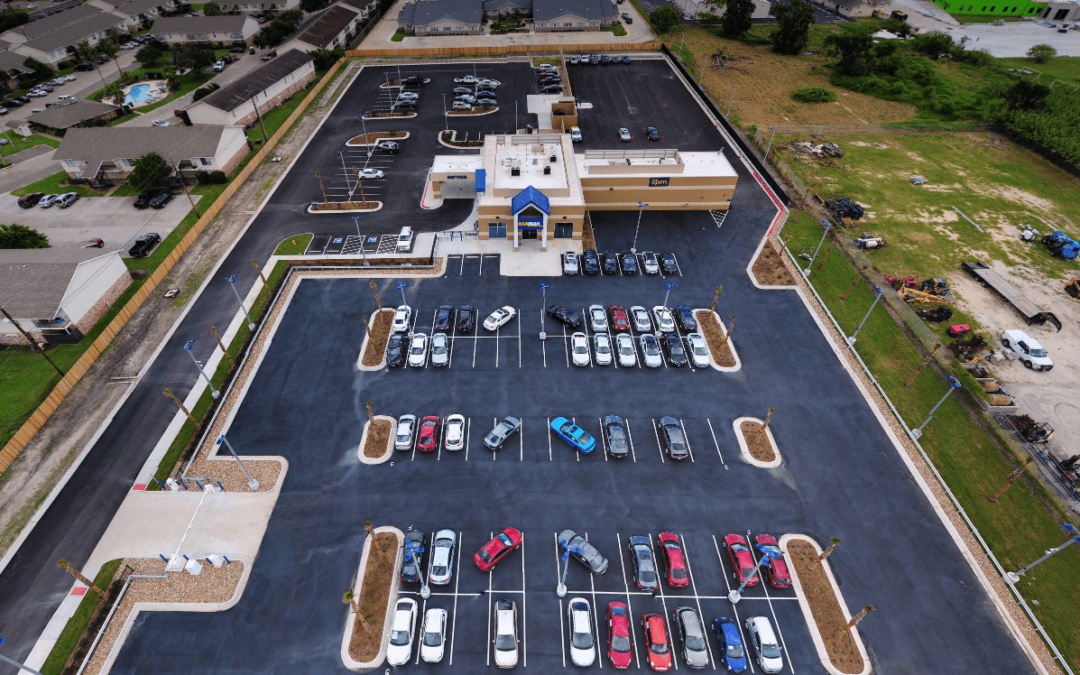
101	144
64	116
427	12
233	95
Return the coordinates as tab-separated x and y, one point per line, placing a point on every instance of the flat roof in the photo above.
648	163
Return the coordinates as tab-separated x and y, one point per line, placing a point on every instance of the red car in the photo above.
674	560
429	434
619	320
618	635
498	548
741	559
656	641
777	567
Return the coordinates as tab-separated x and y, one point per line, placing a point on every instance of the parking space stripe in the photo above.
423	613
687	439
667	622
521	440
441	440
711	431
487	639
734	608
550	459
468	427
629	610
457	582
493	425
558	580
524	615
631	437
566	348
596	618
658	446
603	439
772	610
498	334
697	599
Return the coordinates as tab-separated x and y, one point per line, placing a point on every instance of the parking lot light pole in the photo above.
253	484
824	234
413	552
641	207
732	101
770	142
356	219
560	590
446	118
364	123
1014	577
232	282
953	386
401	287
666	295
345	170
543	327
16	663
878	293
735	596
214	393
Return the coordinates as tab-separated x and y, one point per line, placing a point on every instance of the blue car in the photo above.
576	437
734	654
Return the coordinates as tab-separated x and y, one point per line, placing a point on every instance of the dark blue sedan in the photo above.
733	654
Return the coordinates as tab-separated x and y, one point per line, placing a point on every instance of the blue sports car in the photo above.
576	437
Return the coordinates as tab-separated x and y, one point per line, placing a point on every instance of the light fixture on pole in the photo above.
356	219
770	142
730	102
766	555
365	137
232	282
253	484
1014	577
641	207
878	293
446	118
413	551
806	272
666	295
16	663
560	590
953	386
214	393
543	328
345	170
401	287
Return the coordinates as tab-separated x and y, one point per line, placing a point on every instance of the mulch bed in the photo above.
380	333
587	239
375	137
757	441
769	271
714	336
378	438
345	206
365	643
820	595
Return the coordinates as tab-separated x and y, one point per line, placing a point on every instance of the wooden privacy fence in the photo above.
509	49
44	411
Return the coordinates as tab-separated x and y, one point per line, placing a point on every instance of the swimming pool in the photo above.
140	93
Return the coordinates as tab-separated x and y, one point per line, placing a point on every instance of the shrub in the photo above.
64	65
18	236
210	177
1041	53
934	44
203	92
814	95
664	18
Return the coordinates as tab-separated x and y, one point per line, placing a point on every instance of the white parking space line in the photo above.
493	425
423	613
519	338
462	272
631	437
629	611
487	642
658	446
521	441
734	608
603	439
481	266
687	439
765	587
596	618
711	431
667	622
543	348
468	427
440	440
576	453
457	582
524	615
415	438
558	580
475	342
498	334
566	347
693	584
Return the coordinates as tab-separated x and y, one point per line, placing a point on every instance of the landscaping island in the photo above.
722	354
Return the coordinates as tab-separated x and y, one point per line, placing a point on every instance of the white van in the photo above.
405	240
462	105
766	646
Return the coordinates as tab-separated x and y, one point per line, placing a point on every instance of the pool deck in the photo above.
156	89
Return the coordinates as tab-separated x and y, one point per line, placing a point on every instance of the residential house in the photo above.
61	45
274	7
268	86
498	9
441	17
58	117
137	14
573	15
850	8
230	30
28	31
332	29
14	64
364	7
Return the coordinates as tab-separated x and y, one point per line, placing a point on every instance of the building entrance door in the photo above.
529	234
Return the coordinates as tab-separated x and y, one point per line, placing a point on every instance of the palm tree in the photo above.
65	565
826	552
114	92
107	48
371	421
349	598
86	53
375	288
858	617
716	297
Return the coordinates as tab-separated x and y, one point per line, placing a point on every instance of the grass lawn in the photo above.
1021	526
18	143
124	118
69	637
1059	67
398	36
275	118
294	245
617	29
54	184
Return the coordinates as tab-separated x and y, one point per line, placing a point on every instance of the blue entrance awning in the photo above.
481	180
530	196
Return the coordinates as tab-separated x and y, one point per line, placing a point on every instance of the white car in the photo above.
582	648
1031	353
402	629
418	350
454	433
699	350
499	318
129	45
406	430
579	349
602	349
442	557
650	264
766	648
491	84
160	123
433	636
65	97
624	345
506	639
650	352
69	78
372	174
624	135
640	318
597	319
409	96
402	319
570	264
440	350
664	321
468	79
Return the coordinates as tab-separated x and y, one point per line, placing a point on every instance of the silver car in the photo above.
506	636
442	557
650	264
639	316
602	349
586	553
597	319
406	431
650	352
570	264
664	321
582	648
691	633
418	351
624	345
440	350
699	350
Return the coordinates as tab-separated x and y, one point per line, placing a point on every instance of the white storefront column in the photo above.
515	233
543	233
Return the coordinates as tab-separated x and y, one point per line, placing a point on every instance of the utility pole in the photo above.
183	186
921	365
213	329
33	344
168	392
261	276
258	114
993	499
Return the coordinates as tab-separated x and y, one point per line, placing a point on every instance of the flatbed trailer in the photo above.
1028	309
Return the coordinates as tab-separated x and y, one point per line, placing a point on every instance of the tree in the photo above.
855	51
108	49
276	31
370	415
736	19
933	44
41	71
113	92
325	58
148	55
716	297
664	18
313	5
349	598
65	565
86	53
192	57
172	80
375	287
828	551
212	9
793	26
1041	53
151	171
1026	95
19	236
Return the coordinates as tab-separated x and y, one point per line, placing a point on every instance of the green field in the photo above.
18	143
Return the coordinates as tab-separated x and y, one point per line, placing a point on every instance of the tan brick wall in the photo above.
269	104
104	303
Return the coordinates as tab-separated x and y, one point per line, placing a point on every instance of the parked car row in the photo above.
605	59
480	93
155	199
46	201
654	350
662	319
432	637
609	262
405	347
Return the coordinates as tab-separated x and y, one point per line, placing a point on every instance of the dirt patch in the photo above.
376	136
769	269
377	337
587	239
714	336
828	615
367	634
377	439
757	442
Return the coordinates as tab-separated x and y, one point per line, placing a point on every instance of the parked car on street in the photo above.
31	200
395	350
776	571
579	621
466	319
402	319
656	642
597	318
615	436
686	624
766	647
674	350
161	199
699	350
624	345
624	135
643	564
440	350
49	201
429	434
570	264
602	349
664	322
565	316
410	569
67	199
640	318
579	350
628	262
742	561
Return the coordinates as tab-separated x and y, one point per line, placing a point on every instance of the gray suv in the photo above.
588	556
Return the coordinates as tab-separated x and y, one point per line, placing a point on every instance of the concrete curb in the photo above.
405	116
363	347
469	113
365	666
454	147
753	259
350	143
819	643
746	450
731	346
336	211
389	443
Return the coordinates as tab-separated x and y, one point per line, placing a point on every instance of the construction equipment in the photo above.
897	282
1061	245
914	297
845	208
938	287
832	149
869	241
1029	233
1030	430
968	350
935	315
1028	309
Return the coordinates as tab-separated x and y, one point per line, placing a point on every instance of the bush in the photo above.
934	44
1041	53
203	92
64	65
814	95
18	236
664	18
211	177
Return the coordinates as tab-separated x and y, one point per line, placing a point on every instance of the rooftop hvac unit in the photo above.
515	172
547	170
554	158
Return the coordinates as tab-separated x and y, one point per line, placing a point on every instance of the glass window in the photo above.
564	230
496	230
205	161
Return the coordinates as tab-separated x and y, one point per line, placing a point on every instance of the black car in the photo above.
410	568
161	200
668	264
674	350
685	319
673	439
502	432
566	317
444	317
605	59
651	134
102	59
551	89
13	103
30	200
610	263
395	351
85	66
144	244
643	564
412	79
144	198
618	442
237	50
590	261
629	262
466	319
